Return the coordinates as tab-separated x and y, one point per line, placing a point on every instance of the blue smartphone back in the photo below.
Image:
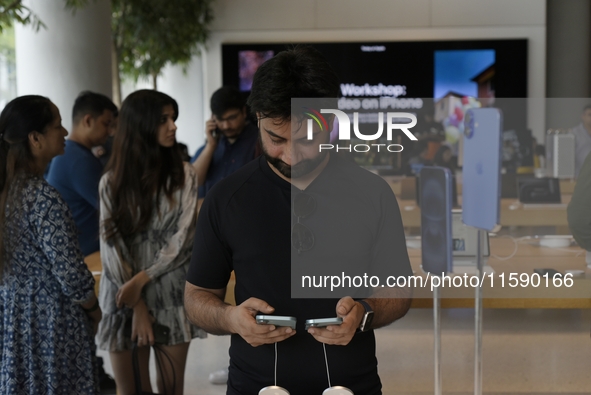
481	172
436	205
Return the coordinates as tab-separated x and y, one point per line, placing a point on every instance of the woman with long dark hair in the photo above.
148	217
48	307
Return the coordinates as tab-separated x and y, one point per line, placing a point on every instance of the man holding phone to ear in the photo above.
230	139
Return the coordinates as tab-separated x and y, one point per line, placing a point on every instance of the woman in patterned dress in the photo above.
148	216
48	308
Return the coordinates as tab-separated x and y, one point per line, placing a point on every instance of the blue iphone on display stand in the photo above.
481	189
436	233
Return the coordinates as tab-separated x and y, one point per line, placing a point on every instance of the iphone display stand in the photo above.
478	319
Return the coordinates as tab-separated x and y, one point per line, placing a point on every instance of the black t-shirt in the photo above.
245	226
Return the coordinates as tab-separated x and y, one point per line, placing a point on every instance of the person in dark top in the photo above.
230	139
251	223
77	173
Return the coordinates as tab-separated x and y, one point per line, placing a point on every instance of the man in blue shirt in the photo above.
76	173
230	139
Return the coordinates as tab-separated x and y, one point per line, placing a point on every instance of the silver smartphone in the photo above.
277	320
322	322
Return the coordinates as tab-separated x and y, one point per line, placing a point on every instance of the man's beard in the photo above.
298	170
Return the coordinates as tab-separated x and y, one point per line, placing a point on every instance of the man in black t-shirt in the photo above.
255	223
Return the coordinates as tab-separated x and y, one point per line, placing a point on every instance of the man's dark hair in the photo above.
92	103
299	72
224	99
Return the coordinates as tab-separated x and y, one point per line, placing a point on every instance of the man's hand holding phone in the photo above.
351	313
212	134
242	321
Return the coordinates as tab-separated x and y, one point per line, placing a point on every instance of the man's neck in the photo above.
304	181
78	137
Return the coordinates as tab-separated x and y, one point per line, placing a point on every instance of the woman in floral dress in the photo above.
48	308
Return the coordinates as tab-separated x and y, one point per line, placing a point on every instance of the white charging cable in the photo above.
326	361
275	363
